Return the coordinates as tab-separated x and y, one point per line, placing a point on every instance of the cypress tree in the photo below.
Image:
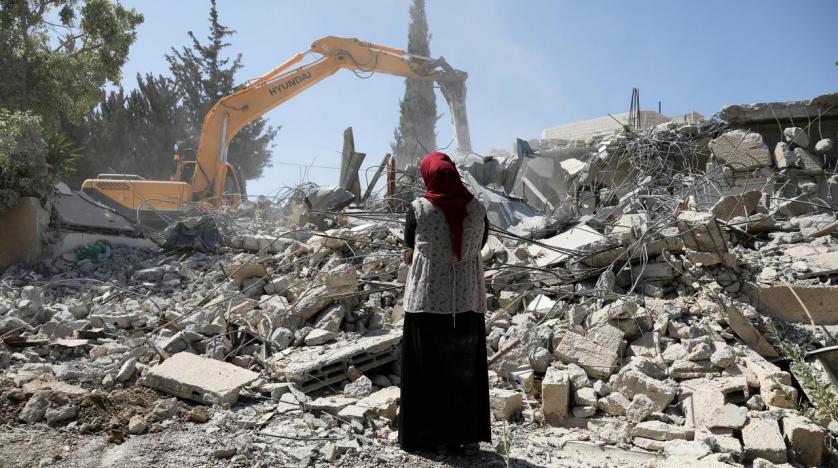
416	134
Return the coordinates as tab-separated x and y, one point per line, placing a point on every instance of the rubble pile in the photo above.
654	308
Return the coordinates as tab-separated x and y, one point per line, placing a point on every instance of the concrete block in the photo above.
383	403
805	440
200	379
505	404
631	382
598	351
762	439
732	206
741	149
658	430
555	396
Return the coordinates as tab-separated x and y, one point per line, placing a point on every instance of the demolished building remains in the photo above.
666	288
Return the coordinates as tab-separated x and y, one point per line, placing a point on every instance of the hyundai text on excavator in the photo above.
211	180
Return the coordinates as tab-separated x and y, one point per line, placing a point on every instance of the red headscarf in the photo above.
446	190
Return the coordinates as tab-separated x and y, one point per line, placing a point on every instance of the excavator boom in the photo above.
212	181
252	100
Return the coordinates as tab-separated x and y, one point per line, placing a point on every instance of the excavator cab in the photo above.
234	186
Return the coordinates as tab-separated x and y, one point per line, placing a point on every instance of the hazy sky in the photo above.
531	64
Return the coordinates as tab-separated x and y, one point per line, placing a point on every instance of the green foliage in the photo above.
813	382
62	154
23	164
56	70
136	132
203	76
416	134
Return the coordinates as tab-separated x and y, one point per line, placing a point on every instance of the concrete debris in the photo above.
643	288
762	439
196	378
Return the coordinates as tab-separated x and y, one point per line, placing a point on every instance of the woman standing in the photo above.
445	386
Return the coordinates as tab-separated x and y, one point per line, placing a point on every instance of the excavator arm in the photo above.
255	98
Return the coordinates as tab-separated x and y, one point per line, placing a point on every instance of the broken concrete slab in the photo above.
318	366
762	439
741	149
658	430
598	351
199	379
745	330
732	206
563	246
779	302
631	382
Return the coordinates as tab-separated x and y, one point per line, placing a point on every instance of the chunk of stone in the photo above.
584	411
631	382
686	449
578	377
360	388
328	404
598	351
755	403
585	396
661	431
555	395
610	431
330	318
62	413
805	440
729	416
602	388
648	444
383	403
796	135
200	379
732	206
640	408
784	156
35	409
741	149
505	404
808	161
722	441
137	425
277	286
823	146
540	359
343	278
748	332
164	409
318	337
281	338
615	404
127	370
723	357
762	439
701	232
354	413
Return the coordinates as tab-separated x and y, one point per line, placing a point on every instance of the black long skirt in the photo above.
444	381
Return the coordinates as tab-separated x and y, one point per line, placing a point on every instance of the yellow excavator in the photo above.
211	181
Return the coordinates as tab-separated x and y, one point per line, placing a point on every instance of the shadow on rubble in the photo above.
483	458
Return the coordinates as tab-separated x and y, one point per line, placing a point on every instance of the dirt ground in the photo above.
184	444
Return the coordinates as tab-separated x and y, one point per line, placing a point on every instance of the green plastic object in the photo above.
90	252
